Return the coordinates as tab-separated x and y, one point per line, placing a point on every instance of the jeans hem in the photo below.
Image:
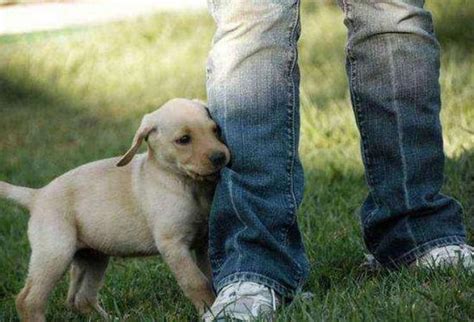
423	249
283	291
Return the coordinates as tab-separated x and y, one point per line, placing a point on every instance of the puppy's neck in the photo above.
201	190
154	166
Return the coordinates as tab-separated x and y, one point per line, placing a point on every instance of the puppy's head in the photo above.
182	136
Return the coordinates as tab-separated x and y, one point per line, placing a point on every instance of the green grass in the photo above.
70	97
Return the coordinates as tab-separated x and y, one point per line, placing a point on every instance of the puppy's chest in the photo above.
202	198
199	216
180	214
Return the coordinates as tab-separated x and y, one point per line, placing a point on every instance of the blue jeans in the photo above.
253	82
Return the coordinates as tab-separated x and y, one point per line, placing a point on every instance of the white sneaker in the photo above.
447	256
243	301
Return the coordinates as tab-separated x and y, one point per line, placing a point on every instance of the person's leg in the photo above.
253	95
393	70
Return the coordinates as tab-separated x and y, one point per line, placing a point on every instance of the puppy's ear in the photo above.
142	134
204	105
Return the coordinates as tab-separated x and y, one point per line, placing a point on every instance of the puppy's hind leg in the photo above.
76	275
51	255
87	276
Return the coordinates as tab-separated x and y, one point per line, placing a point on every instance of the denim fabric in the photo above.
253	81
252	84
393	71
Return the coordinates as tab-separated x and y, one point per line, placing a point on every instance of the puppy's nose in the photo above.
217	159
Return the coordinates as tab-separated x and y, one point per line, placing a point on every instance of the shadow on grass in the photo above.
15	92
45	132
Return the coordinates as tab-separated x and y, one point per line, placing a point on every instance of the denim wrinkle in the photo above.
393	70
253	93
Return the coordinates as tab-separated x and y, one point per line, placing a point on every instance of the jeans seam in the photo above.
290	115
359	115
290	131
347	8
360	121
292	39
396	106
353	82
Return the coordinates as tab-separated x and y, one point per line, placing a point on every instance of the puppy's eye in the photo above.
185	139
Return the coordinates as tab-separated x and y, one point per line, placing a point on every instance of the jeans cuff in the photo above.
256	278
423	249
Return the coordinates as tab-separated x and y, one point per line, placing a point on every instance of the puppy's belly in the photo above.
123	246
118	238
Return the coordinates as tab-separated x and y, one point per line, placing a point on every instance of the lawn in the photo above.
70	97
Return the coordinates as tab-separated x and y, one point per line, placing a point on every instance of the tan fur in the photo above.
155	202
22	195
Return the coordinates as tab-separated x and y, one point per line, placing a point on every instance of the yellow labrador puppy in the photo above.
155	202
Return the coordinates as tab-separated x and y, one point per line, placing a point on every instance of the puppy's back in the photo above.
98	199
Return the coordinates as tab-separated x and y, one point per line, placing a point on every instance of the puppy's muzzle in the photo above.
218	159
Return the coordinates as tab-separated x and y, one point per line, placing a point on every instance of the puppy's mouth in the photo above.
212	176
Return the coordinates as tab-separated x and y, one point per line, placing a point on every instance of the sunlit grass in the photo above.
70	97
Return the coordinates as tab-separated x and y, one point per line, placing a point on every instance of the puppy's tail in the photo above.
22	195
